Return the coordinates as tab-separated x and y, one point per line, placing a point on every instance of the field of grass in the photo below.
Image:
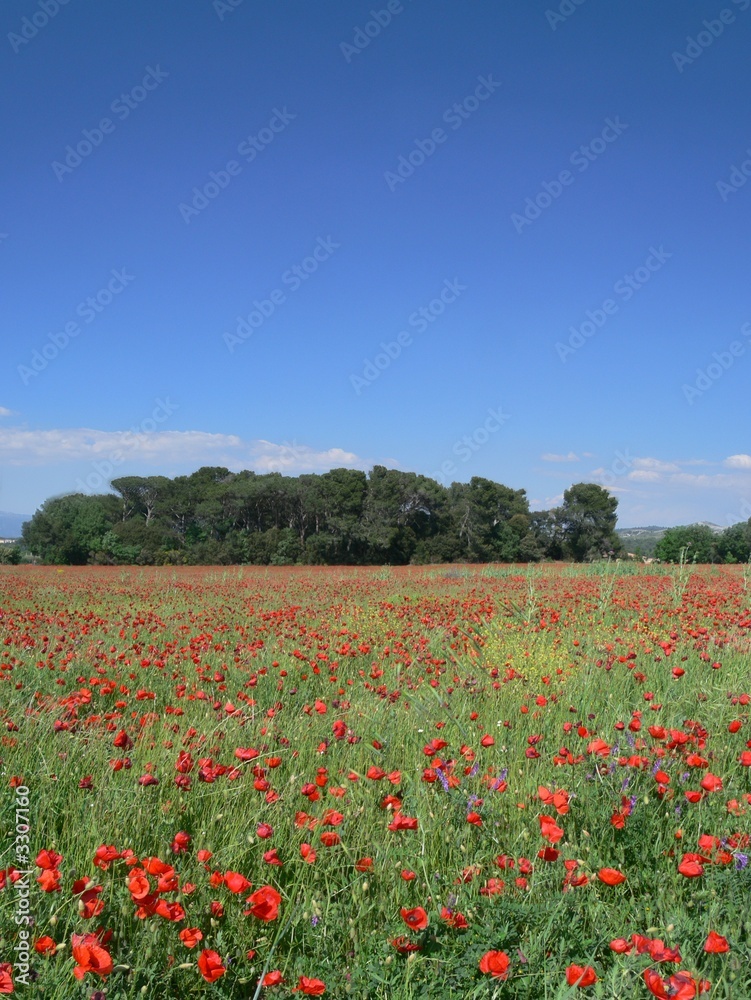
382	783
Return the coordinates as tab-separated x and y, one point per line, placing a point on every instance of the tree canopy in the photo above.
344	516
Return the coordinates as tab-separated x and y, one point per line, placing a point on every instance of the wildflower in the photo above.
264	903
416	919
210	965
495	964
580	975
90	956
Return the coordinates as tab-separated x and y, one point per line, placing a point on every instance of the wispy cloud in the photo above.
23	447
5	412
551	457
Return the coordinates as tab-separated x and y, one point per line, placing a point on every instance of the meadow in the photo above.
423	782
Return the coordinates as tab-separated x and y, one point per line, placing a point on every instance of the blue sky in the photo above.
506	240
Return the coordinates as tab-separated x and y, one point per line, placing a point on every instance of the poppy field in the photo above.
422	782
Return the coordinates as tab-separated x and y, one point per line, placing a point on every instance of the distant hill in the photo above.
10	524
643	541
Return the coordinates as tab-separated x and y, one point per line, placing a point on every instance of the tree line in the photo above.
700	544
344	516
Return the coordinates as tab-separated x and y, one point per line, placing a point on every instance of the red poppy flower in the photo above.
264	903
400	822
550	829
6	977
711	782
716	943
210	965
655	984
581	975
621	946
48	859
611	876
404	946
90	956
364	864
311	987
416	919
190	936
273	978
45	946
691	866
495	964
236	882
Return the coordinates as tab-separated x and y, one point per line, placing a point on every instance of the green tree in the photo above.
587	519
697	541
69	529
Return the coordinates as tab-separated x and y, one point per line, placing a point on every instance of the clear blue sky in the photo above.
484	108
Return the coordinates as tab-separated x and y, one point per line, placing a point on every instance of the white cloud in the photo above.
738	462
550	457
644	476
5	412
22	447
655	465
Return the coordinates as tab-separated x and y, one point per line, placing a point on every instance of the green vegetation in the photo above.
342	517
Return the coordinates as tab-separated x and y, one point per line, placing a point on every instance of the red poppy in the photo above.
691	865
495	964
236	882
581	975
264	903
45	945
456	920
400	822
611	876
311	987
190	936
48	859
716	943
550	829
6	977
210	965
621	946
711	782
655	984
404	946
90	956
416	919
273	978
